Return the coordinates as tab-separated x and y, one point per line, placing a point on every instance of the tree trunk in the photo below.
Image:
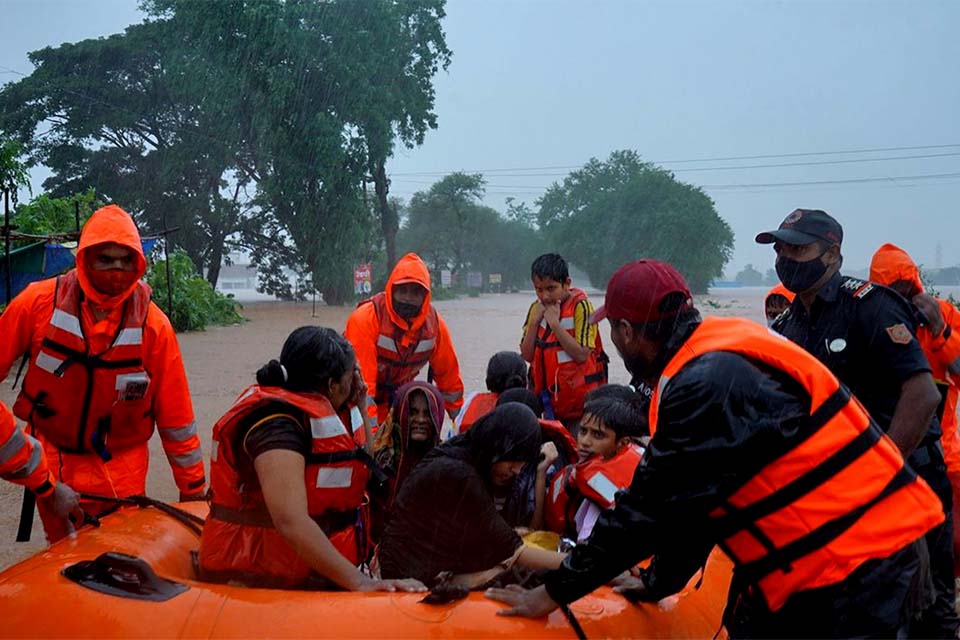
216	259
389	222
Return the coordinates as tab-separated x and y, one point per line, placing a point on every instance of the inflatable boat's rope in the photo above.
189	520
572	619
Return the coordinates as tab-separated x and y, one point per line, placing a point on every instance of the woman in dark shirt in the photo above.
288	477
445	518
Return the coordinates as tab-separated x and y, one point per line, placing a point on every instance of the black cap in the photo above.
805	226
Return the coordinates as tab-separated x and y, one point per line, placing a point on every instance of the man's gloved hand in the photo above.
64	503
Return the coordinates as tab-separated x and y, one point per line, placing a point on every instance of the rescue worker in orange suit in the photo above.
939	336
613	416
288	475
777	301
396	332
23	462
103	368
756	447
505	370
866	335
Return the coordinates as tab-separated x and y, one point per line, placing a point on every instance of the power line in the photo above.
713	159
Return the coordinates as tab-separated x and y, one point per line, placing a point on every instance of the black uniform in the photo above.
865	334
728	417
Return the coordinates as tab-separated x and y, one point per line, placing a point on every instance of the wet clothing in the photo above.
445	518
865	334
21	457
391	350
239	541
891	264
107	453
557	378
474	407
396	454
720	422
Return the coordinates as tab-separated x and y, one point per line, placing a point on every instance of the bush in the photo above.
196	304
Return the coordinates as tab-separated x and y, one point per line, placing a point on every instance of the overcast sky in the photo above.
539	85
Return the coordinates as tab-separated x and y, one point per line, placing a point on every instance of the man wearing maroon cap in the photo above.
866	335
758	448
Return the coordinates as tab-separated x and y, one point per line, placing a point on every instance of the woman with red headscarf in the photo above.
412	429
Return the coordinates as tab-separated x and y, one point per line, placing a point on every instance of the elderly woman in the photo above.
412	429
445	518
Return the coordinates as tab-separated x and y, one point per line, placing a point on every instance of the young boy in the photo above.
613	416
776	302
562	347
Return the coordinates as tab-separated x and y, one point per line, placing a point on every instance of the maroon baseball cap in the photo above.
636	290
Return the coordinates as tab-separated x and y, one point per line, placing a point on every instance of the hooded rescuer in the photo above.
396	333
103	368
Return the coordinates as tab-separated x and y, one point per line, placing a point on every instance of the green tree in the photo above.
611	212
749	277
13	171
46	215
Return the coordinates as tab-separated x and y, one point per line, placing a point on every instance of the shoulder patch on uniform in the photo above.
900	334
856	287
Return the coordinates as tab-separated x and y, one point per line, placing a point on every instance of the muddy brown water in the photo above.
222	361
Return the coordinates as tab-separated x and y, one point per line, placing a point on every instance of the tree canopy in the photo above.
609	213
249	125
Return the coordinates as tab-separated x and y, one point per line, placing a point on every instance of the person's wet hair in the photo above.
776	300
620	409
506	370
550	265
522	396
310	357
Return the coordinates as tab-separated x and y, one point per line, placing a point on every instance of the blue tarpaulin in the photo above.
42	260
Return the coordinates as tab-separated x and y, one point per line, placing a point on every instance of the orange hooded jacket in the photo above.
364	330
891	263
26	323
21	457
779	290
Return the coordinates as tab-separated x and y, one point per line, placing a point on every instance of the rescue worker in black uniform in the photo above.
866	335
738	411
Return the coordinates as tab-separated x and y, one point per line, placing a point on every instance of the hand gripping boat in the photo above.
145	587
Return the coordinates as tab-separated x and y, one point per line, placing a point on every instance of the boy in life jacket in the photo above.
777	301
396	333
613	416
938	333
562	347
505	370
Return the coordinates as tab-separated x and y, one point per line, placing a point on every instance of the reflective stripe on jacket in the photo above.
816	512
239	539
556	372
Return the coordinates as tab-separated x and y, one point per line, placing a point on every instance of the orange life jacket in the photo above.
82	401
476	407
239	540
556	372
396	365
595	479
840	497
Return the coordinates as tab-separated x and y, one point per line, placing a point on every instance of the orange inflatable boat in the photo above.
121	599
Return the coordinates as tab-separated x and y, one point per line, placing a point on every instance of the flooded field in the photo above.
223	360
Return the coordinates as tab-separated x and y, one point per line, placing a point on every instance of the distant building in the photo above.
240	280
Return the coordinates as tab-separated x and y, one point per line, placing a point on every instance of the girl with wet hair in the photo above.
288	477
445	518
506	370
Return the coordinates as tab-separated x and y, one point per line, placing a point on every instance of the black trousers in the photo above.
868	604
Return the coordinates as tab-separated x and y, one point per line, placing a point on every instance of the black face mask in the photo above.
406	310
800	276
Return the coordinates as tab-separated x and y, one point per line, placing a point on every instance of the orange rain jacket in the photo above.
64	307
891	263
366	328
779	290
21	457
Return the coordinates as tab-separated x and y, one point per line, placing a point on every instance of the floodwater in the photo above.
222	361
